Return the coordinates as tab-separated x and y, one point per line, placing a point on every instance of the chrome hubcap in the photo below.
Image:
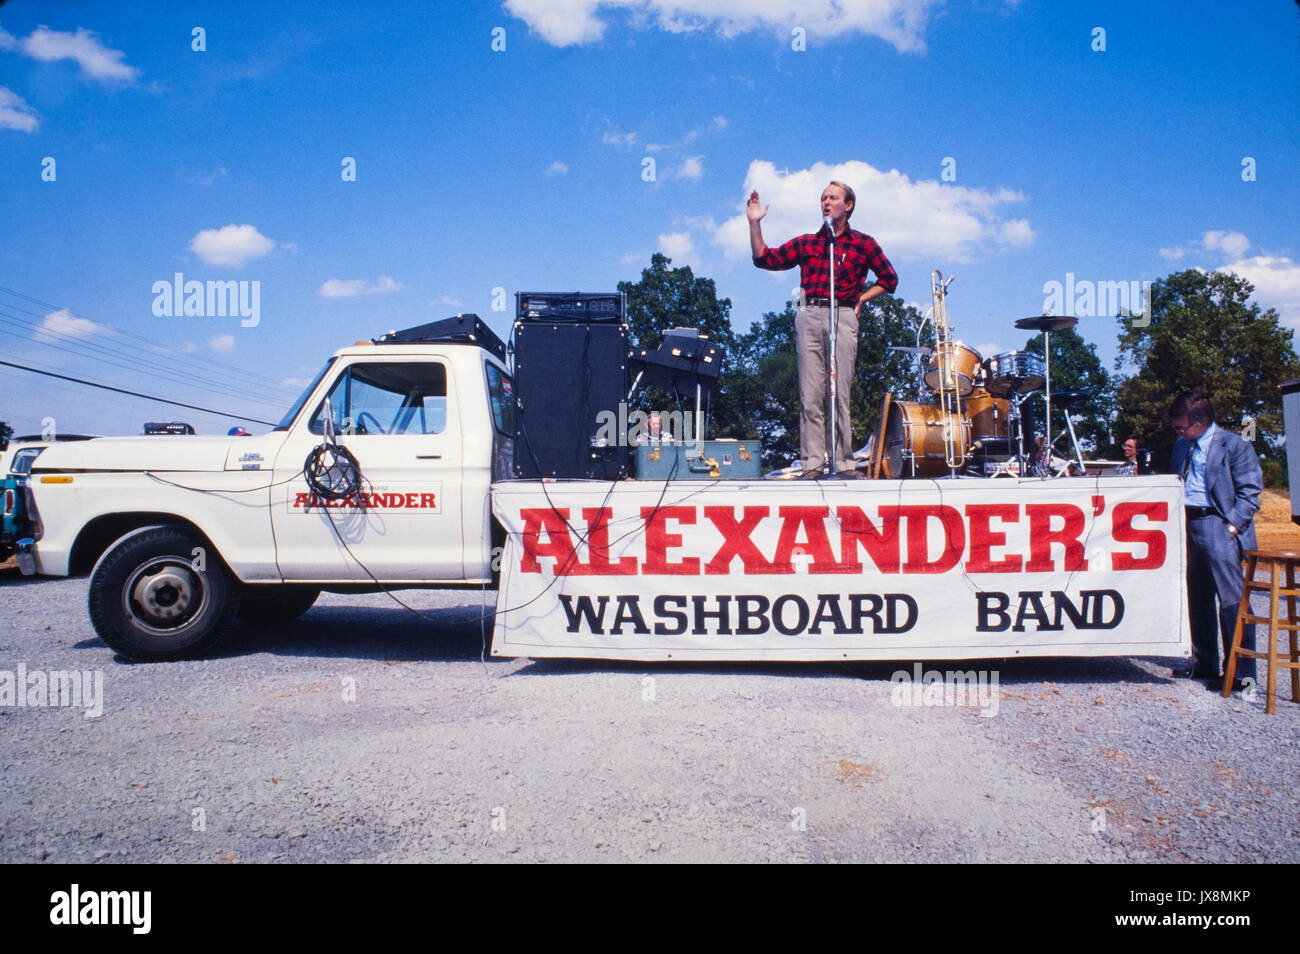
164	596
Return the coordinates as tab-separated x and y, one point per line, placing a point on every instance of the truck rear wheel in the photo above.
266	604
157	596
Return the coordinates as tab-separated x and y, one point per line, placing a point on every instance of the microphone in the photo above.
826	220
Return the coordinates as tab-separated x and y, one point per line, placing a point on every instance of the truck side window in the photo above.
502	397
388	398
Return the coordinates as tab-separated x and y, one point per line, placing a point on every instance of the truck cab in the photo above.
182	534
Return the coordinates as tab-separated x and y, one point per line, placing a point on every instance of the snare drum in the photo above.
963	363
988	414
1015	372
916	437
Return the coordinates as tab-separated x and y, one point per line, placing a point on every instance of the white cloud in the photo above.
571	22
1277	284
679	246
913	221
691	168
231	245
702	223
618	139
7	40
719	122
97	61
350	288
64	324
298	383
1232	244
15	113
208	178
222	344
449	302
556	168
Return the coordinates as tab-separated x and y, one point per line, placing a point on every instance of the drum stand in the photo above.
1015	432
1047	324
1065	399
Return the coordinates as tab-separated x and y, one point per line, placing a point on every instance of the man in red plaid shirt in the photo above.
855	254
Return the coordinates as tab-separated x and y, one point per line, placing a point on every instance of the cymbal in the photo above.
1009	385
1067	399
1047	322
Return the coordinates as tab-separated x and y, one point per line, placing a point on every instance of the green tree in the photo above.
674	297
1205	335
1075	367
6	432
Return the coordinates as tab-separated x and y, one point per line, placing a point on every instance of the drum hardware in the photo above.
1067	400
1047	324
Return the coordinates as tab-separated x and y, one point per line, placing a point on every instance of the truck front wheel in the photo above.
156	595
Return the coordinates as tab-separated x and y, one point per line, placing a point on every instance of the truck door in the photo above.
399	418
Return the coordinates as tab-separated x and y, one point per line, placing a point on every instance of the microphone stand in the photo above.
832	364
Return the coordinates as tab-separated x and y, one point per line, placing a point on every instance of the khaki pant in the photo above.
811	335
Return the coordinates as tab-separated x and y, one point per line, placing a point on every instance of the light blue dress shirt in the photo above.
1194	491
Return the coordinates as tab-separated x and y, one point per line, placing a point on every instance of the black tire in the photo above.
267	604
149	602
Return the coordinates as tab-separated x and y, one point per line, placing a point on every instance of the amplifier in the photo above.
569	380
683	359
571	306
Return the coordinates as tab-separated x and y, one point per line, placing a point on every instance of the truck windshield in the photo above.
302	399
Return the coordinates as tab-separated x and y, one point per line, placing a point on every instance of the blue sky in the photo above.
525	168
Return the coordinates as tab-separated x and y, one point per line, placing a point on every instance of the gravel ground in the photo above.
444	757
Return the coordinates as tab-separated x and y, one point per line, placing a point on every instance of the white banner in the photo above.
777	570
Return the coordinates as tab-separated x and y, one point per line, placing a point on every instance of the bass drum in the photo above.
916	438
964	366
988	415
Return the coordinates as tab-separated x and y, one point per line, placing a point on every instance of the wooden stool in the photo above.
1275	562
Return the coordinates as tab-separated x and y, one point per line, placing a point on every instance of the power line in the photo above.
219	366
45	336
128	362
150	397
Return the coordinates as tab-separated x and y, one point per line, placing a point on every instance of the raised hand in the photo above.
753	210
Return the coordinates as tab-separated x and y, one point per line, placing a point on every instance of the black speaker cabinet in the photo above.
570	378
